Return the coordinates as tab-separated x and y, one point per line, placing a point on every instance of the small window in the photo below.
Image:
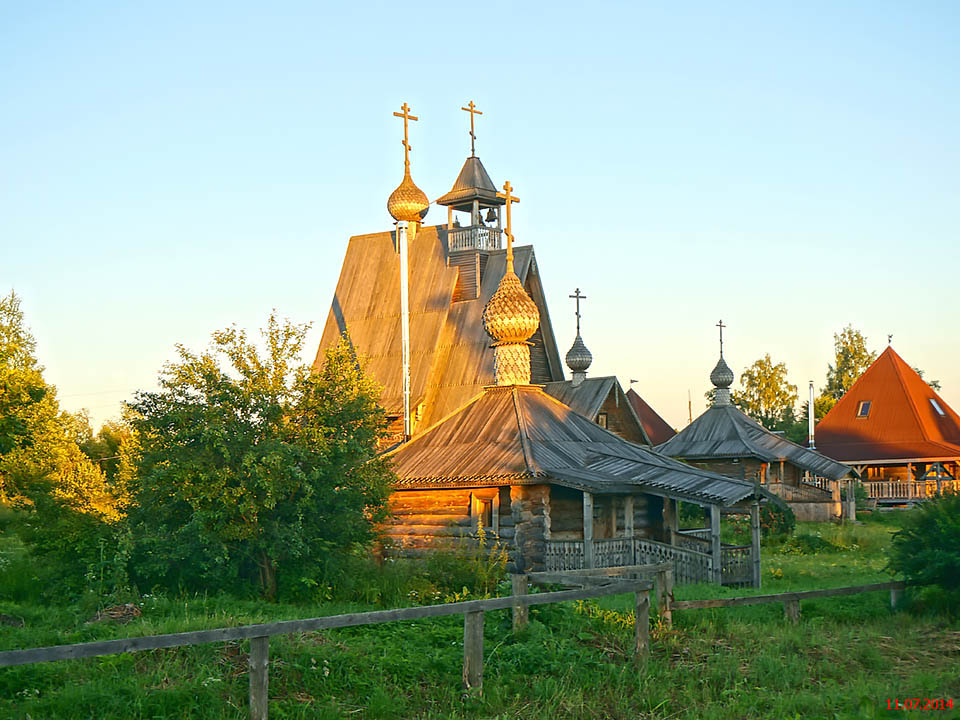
863	410
486	513
936	406
602	420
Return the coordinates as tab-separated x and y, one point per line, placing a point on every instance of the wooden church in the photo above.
489	434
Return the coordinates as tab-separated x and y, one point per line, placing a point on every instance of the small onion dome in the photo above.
578	357
722	375
511	316
408	202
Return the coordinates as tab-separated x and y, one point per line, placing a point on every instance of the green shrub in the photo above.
776	518
807	544
927	550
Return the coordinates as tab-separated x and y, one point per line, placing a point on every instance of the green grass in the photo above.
844	659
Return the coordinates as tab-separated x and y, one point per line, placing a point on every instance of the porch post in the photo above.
755	540
939	481
670	519
628	525
715	544
852	500
909	481
587	530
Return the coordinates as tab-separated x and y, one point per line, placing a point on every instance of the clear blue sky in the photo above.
169	169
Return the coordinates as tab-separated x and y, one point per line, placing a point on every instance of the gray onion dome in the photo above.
722	375
578	357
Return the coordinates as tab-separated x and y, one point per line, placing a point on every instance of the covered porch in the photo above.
614	530
910	482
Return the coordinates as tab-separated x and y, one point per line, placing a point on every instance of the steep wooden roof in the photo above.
902	424
520	435
588	398
451	357
656	428
723	432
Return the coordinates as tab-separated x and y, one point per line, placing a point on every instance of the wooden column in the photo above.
715	544
587	530
613	516
852	500
519	584
259	662
671	523
755	540
641	617
628	528
939	480
473	651
909	481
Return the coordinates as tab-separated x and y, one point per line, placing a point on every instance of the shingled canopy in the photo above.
520	435
724	431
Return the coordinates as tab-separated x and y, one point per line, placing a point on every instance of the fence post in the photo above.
259	669
791	610
519	584
641	616
665	595
715	548
894	597
473	651
755	540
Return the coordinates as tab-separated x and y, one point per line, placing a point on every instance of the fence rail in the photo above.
259	635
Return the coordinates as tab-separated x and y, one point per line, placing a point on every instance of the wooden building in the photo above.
489	447
896	431
725	440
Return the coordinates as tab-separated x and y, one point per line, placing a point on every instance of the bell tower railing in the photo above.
474	238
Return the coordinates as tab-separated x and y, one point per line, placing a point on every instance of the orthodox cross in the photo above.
406	136
578	297
721	326
472	109
506	195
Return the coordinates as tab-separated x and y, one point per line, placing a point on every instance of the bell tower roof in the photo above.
473	183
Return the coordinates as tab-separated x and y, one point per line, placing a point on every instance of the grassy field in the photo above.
845	659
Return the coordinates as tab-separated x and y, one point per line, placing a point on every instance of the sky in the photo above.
170	169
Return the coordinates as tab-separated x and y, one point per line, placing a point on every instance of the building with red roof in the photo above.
896	431
656	428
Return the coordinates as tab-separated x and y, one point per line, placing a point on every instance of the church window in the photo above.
936	406
863	409
602	420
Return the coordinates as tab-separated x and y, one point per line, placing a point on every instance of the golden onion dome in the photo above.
511	316
408	202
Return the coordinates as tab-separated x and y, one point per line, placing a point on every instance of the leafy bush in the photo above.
807	544
776	518
927	550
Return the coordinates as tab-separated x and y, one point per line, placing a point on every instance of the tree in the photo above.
38	453
251	465
851	359
766	396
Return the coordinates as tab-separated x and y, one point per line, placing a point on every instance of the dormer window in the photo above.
936	406
602	420
863	409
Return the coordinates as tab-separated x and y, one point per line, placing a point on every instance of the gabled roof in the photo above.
520	435
451	359
902	423
723	432
654	426
588	398
473	183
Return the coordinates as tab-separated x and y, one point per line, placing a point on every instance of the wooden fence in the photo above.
259	635
790	600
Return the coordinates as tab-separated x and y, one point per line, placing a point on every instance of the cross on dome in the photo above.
472	109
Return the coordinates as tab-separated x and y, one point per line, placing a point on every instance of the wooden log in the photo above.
259	672
665	596
894	597
791	610
641	636
519	585
430	519
473	651
716	561
588	557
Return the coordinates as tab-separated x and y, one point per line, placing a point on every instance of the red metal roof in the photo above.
902	422
655	426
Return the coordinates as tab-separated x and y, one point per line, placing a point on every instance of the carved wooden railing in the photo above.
474	238
688	566
908	489
564	555
736	563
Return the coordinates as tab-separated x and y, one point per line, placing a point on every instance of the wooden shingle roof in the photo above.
903	422
451	357
724	432
520	435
